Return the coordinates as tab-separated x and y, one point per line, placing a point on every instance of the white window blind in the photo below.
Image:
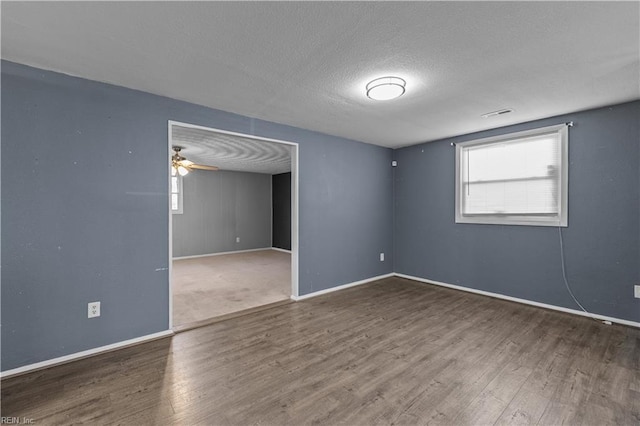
513	179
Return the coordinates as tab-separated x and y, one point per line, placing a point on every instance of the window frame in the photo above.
558	220
179	210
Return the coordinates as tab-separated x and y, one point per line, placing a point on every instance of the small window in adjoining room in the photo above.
515	179
176	194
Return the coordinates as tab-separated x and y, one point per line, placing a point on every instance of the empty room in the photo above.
231	224
333	213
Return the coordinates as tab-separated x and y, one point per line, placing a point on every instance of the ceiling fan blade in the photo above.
202	167
185	163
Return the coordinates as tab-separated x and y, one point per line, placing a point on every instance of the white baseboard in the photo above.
119	345
340	287
282	250
524	301
221	253
84	354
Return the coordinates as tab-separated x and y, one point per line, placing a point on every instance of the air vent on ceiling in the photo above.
499	112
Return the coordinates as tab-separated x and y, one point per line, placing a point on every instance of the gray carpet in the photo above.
208	287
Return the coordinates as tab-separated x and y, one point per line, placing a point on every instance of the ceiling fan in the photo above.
182	166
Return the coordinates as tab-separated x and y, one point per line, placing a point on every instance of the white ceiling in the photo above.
231	152
306	63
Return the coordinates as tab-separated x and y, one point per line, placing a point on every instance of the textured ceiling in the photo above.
306	63
230	152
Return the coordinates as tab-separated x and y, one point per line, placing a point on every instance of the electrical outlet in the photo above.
381	257
636	291
93	310
237	239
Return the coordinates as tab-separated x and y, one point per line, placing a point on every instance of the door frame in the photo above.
294	203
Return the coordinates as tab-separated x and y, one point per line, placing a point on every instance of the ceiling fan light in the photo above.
174	171
386	88
182	170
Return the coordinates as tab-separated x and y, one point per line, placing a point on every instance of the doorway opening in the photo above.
233	223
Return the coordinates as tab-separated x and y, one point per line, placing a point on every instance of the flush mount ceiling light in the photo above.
385	88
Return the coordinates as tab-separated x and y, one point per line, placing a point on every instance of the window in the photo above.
176	194
515	179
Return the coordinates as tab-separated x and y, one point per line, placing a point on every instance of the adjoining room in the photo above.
231	223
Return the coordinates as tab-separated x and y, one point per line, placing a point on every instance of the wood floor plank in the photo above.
551	356
390	352
488	406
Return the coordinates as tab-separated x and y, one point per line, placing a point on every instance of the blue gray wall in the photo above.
85	214
85	210
220	206
602	242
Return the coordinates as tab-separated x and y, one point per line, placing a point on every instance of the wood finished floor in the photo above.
212	286
390	352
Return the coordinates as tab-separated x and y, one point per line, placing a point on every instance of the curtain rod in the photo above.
567	123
